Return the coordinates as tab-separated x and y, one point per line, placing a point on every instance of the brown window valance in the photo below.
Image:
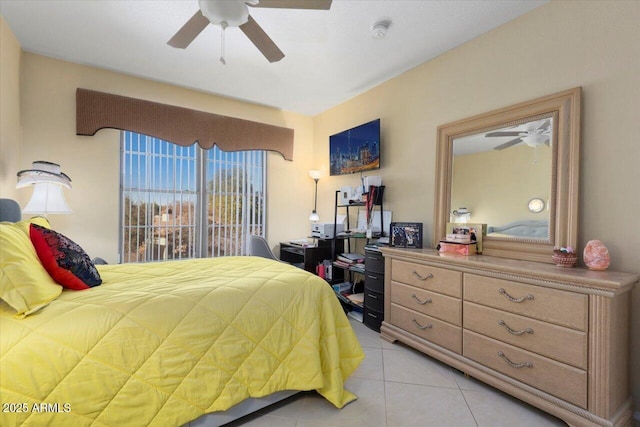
182	126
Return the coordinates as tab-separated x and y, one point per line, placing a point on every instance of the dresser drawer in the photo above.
551	305
426	277
373	300
427	327
374	281
558	379
559	343
431	303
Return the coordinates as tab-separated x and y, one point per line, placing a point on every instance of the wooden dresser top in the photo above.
608	280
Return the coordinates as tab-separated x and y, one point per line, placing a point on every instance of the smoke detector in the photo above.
379	29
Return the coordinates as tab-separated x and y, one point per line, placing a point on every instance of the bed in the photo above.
166	343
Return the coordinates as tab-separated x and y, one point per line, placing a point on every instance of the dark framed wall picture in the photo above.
406	234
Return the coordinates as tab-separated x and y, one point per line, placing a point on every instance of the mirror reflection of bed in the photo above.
526	229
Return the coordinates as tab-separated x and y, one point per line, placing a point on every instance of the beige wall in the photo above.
481	182
48	119
559	46
9	110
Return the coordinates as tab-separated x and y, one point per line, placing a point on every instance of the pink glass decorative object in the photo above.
596	255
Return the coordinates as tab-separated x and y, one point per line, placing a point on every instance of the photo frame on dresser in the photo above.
406	234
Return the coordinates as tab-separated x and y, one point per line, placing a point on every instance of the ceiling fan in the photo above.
536	134
235	13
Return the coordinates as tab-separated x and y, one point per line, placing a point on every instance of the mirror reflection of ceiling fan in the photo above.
235	13
535	134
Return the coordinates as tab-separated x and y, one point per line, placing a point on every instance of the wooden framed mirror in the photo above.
495	164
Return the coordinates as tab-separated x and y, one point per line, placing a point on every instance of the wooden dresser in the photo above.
557	338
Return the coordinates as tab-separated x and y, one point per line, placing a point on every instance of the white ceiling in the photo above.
330	55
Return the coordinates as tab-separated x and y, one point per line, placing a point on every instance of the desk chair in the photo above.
260	247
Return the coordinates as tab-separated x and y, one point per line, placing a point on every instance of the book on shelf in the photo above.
356	298
357	267
350	293
351	258
341	264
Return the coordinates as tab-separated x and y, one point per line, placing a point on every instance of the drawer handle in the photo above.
372	277
419	301
515	365
512	299
419	326
372	296
420	277
514	332
372	315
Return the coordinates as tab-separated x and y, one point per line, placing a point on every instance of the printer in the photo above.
321	230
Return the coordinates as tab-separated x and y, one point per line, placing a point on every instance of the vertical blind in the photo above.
186	202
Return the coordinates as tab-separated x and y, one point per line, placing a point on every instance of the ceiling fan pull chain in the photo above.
224	27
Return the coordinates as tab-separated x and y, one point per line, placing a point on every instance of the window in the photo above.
185	202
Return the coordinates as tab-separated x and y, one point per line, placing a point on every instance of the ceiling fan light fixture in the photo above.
534	140
232	12
235	13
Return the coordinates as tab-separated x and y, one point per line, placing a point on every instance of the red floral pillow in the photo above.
64	260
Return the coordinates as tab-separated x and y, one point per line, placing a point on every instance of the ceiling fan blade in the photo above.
294	4
263	42
544	126
507	144
189	31
504	133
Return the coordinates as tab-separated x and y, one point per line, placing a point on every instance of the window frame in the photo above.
204	225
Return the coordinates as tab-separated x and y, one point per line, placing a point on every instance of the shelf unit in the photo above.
347	304
347	237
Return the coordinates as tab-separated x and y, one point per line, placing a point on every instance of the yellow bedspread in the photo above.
163	343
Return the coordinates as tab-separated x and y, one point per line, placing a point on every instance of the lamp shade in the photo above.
42	171
47	198
47	181
461	215
315	174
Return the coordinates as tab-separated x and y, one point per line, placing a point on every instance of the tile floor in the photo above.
399	387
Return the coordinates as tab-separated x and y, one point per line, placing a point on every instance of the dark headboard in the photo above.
10	210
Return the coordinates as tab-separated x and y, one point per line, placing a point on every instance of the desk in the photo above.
307	257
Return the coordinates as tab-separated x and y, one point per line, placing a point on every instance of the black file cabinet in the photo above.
373	289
